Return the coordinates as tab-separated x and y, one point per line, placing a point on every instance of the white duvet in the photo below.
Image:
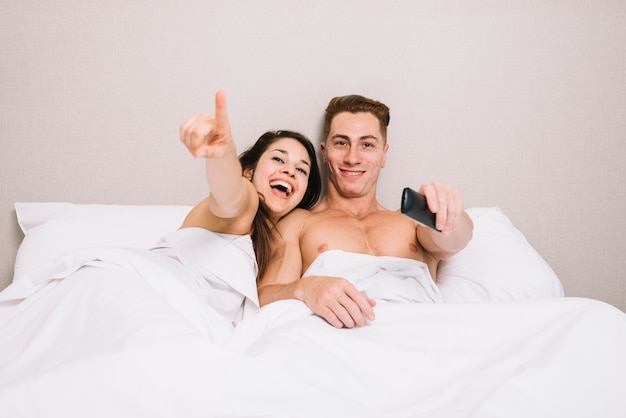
559	358
104	342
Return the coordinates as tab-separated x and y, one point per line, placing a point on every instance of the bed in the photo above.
95	324
518	104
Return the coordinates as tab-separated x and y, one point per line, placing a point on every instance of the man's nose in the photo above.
352	155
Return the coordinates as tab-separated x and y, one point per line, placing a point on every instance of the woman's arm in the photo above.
282	275
233	201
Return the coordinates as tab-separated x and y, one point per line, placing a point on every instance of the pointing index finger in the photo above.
221	114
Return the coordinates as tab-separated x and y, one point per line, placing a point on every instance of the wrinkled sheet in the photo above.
104	342
209	278
563	357
384	278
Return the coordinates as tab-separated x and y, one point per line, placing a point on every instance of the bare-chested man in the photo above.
349	218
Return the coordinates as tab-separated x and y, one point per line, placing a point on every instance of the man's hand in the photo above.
209	136
337	301
446	202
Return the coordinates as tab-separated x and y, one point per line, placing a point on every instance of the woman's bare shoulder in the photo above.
296	216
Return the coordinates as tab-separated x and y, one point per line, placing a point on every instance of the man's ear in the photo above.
247	173
323	149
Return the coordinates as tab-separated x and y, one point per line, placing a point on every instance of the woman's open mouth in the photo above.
281	186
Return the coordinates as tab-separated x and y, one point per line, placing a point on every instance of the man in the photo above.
349	218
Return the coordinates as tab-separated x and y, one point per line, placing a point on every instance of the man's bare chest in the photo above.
390	234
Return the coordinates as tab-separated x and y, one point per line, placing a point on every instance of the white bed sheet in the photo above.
125	336
104	342
552	358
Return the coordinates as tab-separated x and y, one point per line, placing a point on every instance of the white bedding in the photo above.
543	358
552	358
389	279
186	268
119	338
103	342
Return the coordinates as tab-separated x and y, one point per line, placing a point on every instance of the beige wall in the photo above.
520	104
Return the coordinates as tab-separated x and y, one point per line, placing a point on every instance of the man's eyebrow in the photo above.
282	151
341	136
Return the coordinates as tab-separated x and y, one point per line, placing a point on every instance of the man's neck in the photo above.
356	206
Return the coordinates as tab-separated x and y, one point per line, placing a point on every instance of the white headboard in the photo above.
522	105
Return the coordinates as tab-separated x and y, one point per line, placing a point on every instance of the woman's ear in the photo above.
247	173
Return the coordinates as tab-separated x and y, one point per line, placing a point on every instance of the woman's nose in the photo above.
289	170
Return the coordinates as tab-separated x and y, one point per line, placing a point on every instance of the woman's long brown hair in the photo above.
262	226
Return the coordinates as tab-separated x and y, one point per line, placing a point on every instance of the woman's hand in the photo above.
209	136
336	300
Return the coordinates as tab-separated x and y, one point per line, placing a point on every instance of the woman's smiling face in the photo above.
282	175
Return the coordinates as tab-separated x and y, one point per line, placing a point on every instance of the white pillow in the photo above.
498	264
52	229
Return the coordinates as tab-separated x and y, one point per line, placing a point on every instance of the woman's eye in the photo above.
278	159
302	170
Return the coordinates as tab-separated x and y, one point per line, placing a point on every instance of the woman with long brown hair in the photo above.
249	193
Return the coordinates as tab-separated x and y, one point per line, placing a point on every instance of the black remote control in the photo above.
414	206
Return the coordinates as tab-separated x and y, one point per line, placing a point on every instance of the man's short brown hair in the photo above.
357	104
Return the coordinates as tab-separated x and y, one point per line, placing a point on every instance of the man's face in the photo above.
354	152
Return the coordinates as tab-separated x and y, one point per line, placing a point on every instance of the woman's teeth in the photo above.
282	186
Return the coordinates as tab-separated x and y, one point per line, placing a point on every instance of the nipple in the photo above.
322	248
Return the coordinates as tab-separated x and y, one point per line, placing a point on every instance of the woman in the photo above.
250	194
200	279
